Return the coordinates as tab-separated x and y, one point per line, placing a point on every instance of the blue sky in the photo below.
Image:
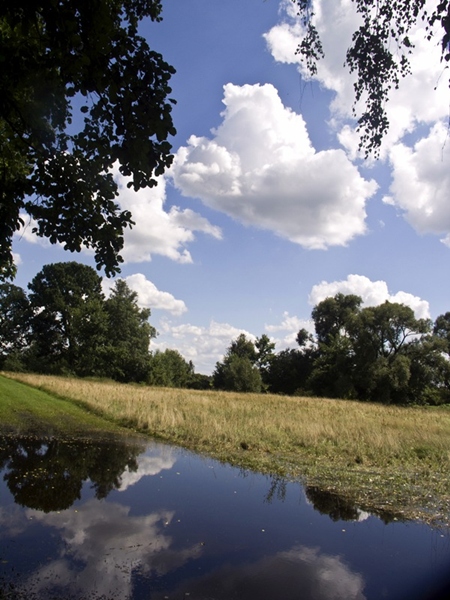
269	208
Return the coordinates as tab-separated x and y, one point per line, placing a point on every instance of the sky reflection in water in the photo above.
121	520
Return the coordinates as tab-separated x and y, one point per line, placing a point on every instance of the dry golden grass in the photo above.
368	432
344	444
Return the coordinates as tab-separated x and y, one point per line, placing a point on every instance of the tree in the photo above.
73	329
381	337
238	372
80	90
69	323
265	352
287	372
15	317
441	329
170	369
429	381
126	355
243	348
333	368
379	53
332	315
438	372
198	381
386	328
381	353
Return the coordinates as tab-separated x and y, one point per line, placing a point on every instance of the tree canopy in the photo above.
68	323
381	353
379	53
67	326
169	369
80	90
128	335
15	316
237	372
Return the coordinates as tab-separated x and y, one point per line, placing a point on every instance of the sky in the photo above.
269	207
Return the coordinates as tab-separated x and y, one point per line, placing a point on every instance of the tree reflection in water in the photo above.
339	508
48	475
327	502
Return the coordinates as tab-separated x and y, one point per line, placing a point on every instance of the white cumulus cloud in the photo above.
261	169
148	295
290	326
421	182
372	293
203	345
26	232
422	97
157	231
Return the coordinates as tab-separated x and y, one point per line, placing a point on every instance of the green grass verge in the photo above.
25	410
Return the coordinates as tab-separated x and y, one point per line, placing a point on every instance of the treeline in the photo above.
378	353
65	325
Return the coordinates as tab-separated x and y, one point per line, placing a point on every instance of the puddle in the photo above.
105	520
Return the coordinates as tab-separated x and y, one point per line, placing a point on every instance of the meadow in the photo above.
384	458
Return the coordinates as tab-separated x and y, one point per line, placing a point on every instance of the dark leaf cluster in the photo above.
80	91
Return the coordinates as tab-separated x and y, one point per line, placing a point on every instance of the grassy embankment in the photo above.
28	411
382	457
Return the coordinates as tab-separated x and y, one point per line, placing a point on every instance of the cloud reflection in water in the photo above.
294	574
103	545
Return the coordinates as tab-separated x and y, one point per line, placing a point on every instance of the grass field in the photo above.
384	458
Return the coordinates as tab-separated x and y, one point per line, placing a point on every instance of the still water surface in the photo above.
104	520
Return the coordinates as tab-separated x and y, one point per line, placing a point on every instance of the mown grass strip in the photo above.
382	457
25	410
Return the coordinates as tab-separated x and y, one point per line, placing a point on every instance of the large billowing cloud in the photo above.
157	231
372	293
148	295
261	169
421	182
421	97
